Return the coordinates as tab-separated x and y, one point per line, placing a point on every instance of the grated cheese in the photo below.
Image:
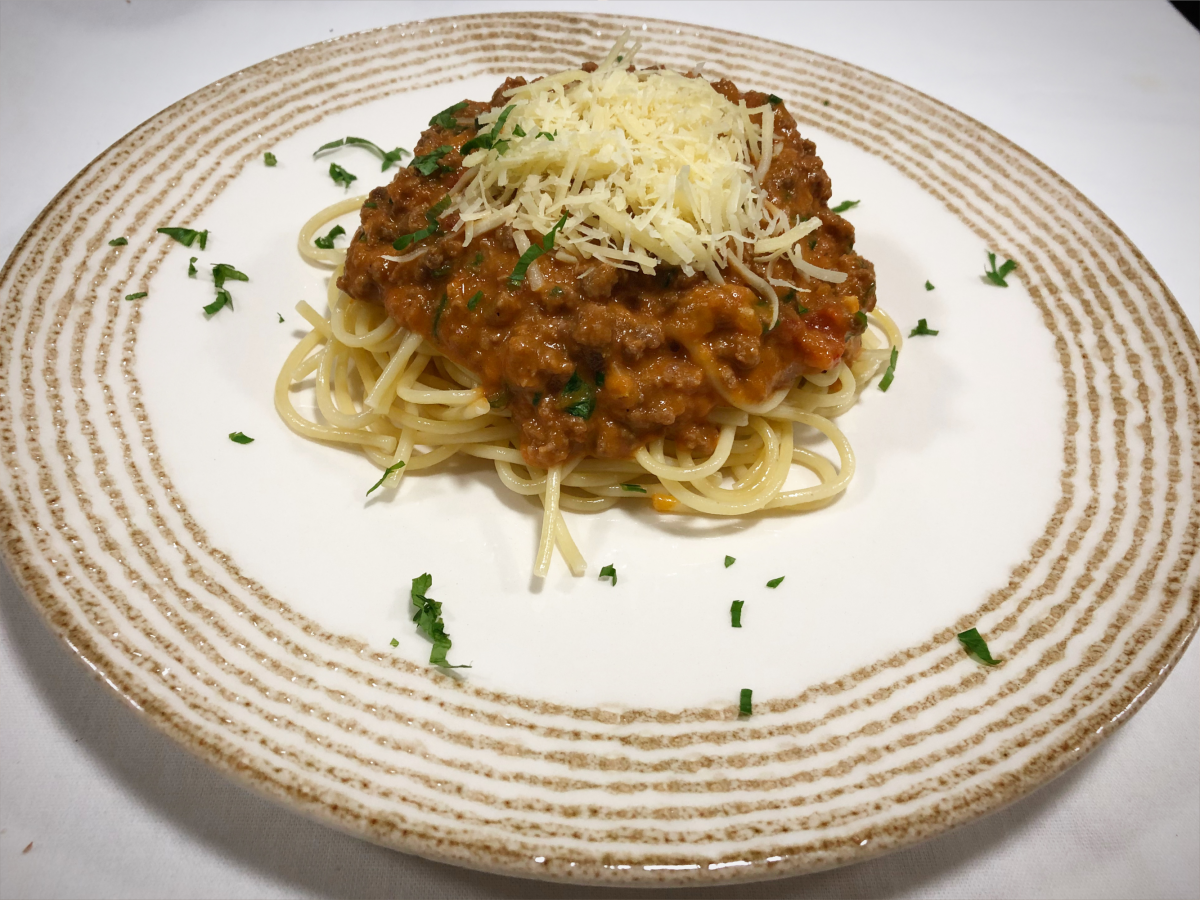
649	166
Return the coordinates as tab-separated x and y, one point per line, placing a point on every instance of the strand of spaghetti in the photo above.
726	502
430	458
337	321
325	400
576	503
402	418
480	435
379	397
315	319
567	548
304	241
845	455
652	459
550	517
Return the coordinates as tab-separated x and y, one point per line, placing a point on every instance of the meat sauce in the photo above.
646	347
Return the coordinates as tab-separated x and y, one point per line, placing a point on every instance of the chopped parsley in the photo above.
429	621
223	272
773	100
429	163
396	467
518	131
370	204
238	438
735	613
118	242
500	400
431	216
474	301
556	291
886	381
997	276
977	647
326	243
388	156
633	488
445	119
437	316
922	328
860	322
394	642
609	571
845	205
489	140
547	135
192	267
138	296
776	582
578	397
535	250
478	260
340	175
269	159
729	561
929	285
280	317
223	300
185	236
824	102
745	702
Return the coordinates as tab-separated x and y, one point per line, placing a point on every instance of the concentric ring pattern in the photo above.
1090	622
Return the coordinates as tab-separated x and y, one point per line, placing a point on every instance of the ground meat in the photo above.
650	348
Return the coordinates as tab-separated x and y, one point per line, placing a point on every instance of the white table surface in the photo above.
1104	93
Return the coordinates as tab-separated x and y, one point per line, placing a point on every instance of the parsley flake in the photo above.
977	647
518	131
396	467
776	582
118	242
192	267
223	300
578	397
745	702
922	328
478	258
773	100
535	250
138	296
280	317
609	571
488	141
340	175
735	613
394	642
547	135
431	216
633	488
185	236
326	243
729	561
845	205
929	285
223	272
886	381
238	438
429	621
429	163
474	301
445	119
997	276
437	316
388	156
269	159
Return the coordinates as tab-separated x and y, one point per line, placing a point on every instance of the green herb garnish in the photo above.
370	204
478	260
138	296
428	163
535	250
997	276
223	272
556	291
445	119
518	131
280	317
388	156
487	141
922	328
547	135
429	621
185	236
773	100
238	438
845	205
118	242
340	175
192	267
744	702
886	381
609	572
729	561
394	642
437	316
735	613
977	647
776	582
474	301
500	400
578	397
431	216
223	300
269	159
860	322
326	243
395	467
929	285
634	488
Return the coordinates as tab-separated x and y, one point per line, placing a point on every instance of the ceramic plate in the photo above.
1032	472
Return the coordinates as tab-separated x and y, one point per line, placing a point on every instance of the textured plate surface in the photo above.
1032	472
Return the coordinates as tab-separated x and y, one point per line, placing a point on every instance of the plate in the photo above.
1031	472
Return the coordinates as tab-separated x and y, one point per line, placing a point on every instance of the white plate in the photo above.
1029	473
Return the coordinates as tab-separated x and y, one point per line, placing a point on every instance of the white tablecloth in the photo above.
1105	94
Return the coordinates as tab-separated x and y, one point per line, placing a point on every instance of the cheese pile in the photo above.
648	167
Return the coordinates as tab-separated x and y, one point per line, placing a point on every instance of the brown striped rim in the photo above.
1105	601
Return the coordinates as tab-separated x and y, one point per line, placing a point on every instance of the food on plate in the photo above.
617	284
